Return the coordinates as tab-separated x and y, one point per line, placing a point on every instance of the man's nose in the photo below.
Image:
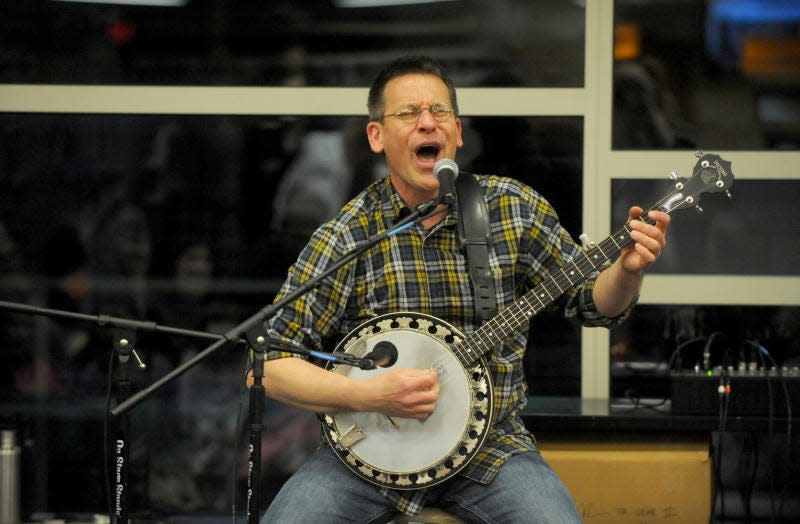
426	119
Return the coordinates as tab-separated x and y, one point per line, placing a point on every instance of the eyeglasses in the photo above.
410	114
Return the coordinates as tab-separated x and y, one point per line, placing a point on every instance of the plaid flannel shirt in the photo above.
426	271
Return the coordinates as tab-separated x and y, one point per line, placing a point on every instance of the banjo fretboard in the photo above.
513	318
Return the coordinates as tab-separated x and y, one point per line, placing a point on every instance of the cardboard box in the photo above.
635	482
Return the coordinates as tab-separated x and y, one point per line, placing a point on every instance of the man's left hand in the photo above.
648	239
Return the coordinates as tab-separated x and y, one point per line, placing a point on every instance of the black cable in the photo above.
637	404
655	407
707	350
717	453
770	430
757	459
676	354
770	434
751	482
679	348
788	451
726	405
762	351
725	394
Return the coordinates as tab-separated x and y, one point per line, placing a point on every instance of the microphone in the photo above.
446	170
384	355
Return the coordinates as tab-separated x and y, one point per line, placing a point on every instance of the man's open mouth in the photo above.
428	152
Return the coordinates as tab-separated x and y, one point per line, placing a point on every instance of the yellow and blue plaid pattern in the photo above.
426	271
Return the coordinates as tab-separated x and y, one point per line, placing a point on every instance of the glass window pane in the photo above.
719	74
748	234
553	357
286	42
544	152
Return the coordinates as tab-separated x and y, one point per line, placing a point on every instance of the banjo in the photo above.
404	454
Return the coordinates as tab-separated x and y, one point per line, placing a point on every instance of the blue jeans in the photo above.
525	490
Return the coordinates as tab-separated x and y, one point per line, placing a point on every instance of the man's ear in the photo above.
375	136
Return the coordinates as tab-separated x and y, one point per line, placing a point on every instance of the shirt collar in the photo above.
396	209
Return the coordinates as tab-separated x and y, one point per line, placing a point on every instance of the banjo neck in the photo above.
513	318
711	174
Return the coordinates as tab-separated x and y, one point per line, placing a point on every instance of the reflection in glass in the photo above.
723	74
127	196
285	42
748	234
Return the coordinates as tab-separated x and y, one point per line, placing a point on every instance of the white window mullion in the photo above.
599	52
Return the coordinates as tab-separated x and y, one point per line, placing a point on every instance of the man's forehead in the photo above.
412	88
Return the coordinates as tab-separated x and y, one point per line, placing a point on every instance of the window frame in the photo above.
601	164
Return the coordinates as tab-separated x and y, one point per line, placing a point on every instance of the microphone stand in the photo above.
253	327
256	421
124	347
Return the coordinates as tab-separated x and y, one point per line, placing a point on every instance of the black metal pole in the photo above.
259	345
123	346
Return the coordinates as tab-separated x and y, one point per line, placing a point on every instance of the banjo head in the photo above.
401	453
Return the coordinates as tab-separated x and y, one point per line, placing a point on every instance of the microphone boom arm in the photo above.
422	212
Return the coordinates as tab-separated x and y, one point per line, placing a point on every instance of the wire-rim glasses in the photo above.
410	114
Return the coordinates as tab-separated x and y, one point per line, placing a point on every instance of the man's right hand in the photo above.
404	392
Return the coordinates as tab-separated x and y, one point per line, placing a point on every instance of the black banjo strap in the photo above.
473	234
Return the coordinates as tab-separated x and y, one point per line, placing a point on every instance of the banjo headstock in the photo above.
711	174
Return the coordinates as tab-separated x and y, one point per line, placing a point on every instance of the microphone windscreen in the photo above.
445	164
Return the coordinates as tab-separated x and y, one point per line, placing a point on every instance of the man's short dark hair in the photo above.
403	66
